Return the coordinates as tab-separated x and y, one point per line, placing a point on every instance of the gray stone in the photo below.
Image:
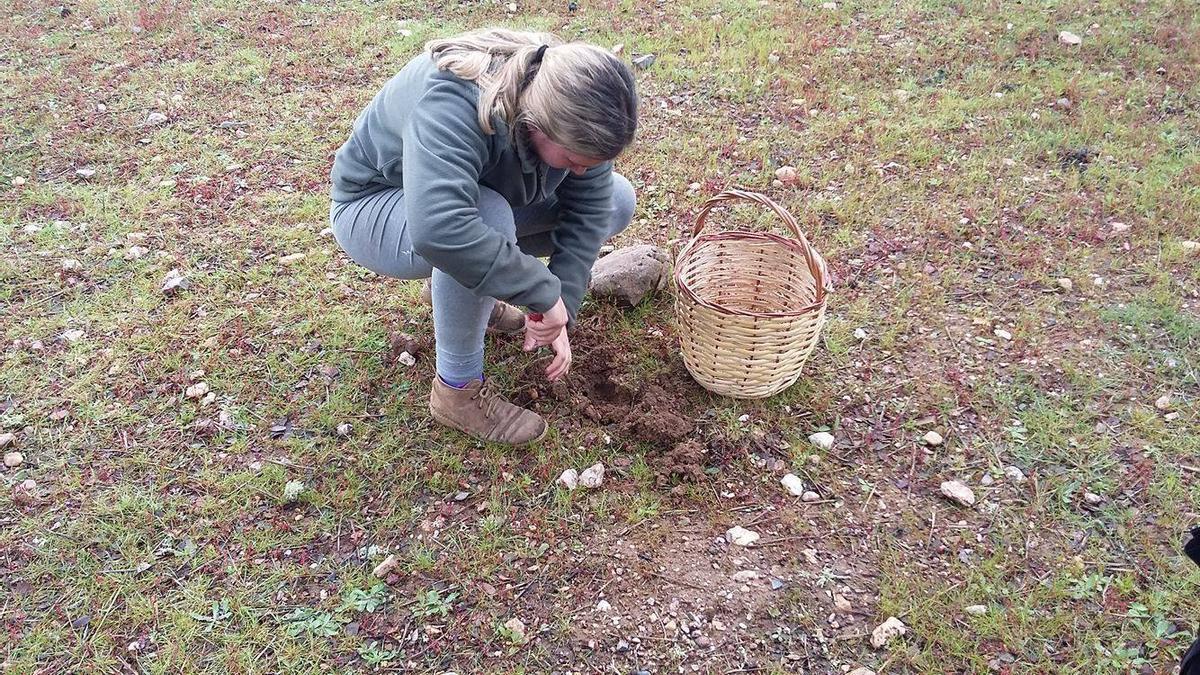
629	274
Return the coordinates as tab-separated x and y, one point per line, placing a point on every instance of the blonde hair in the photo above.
581	96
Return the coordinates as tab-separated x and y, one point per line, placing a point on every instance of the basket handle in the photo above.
734	194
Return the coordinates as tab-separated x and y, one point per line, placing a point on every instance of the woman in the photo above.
484	152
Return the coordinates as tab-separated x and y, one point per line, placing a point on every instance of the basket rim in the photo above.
816	265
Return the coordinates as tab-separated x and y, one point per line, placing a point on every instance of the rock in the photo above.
1003	334
569	479
344	429
1066	284
986	480
136	252
959	492
1068	38
975	610
842	604
386	567
644	61
1092	498
887	631
629	274
902	95
740	536
289	259
933	439
822	439
1163	402
7	439
511	8
860	334
1063	102
1014	474
828	5
618	48
593	476
71	264
786	175
407	360
1190	246
13	459
793	485
861	671
197	390
18	181
810	496
156	118
85	172
175	282
745	576
516	627
1119	228
1171	416
603	606
29	485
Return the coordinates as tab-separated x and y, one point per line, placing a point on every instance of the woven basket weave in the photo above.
749	305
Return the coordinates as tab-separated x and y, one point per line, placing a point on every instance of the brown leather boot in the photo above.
479	411
504	318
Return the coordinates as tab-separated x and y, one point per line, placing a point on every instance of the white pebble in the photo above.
407	359
740	536
1001	333
810	496
933	438
822	439
1163	402
1068	38
886	631
959	492
1014	474
860	334
593	476
793	484
975	610
603	606
13	459
569	479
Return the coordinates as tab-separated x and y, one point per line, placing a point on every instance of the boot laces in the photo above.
487	398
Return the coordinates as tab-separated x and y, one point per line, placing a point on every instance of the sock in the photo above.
459	384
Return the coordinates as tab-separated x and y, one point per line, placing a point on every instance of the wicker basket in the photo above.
750	305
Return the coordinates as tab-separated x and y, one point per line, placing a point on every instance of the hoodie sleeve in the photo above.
445	153
585	204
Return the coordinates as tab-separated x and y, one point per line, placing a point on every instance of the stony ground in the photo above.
210	476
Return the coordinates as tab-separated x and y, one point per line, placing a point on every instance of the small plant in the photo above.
431	604
312	622
365	600
376	654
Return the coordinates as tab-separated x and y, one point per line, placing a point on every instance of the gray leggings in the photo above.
374	232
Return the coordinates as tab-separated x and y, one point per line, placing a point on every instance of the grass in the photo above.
933	151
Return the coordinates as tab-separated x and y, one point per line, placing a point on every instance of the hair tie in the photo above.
534	67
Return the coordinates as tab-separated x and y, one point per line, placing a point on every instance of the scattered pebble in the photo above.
73	335
1014	474
1093	498
644	61
175	282
197	390
828	5
1191	246
85	172
959	492
860	334
886	631
386	567
18	181
13	459
810	496
1066	284
861	671
793	485
786	175
986	480
1171	416
1063	102
822	439
902	95
1163	402
29	485
344	429
744	576
517	627
155	119
740	536
289	259
71	264
7	438
933	439
618	48
593	476
406	359
975	610
569	479
1001	333
842	604
1068	38
603	606
1119	228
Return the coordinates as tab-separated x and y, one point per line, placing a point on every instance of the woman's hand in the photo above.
544	331
562	356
